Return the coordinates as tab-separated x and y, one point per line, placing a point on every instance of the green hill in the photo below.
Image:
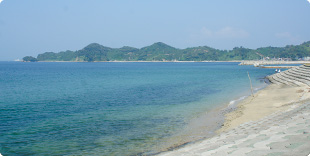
162	52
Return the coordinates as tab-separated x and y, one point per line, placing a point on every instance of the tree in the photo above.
30	59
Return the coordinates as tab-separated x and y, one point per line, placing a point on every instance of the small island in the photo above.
30	59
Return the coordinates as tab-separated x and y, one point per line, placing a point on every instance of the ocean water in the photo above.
111	108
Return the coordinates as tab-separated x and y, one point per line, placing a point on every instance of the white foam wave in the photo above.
232	102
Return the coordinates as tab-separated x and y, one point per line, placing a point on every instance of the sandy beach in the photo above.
272	99
275	121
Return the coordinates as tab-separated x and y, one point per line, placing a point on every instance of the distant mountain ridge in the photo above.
162	52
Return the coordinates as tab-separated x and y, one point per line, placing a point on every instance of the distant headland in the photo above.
162	52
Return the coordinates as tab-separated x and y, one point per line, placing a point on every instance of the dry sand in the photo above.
265	102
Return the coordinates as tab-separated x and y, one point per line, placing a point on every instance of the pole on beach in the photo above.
251	84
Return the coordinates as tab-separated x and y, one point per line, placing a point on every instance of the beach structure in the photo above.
299	76
261	62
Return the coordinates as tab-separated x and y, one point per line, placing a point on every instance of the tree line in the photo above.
162	52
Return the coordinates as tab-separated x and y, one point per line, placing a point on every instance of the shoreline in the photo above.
135	61
271	99
242	62
204	126
268	103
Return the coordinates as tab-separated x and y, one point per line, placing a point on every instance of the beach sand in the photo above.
272	99
276	121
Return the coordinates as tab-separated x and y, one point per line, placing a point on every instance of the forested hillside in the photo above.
162	52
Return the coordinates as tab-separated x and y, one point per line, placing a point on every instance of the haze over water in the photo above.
110	108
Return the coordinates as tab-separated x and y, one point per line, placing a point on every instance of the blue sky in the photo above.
30	27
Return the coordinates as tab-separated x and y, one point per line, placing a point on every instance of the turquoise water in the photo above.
110	108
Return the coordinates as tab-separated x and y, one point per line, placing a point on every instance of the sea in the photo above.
116	108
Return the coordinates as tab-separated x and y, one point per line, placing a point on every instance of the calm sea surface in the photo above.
110	108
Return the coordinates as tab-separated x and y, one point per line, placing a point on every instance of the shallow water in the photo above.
110	108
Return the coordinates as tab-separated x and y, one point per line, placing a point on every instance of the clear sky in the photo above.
31	27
